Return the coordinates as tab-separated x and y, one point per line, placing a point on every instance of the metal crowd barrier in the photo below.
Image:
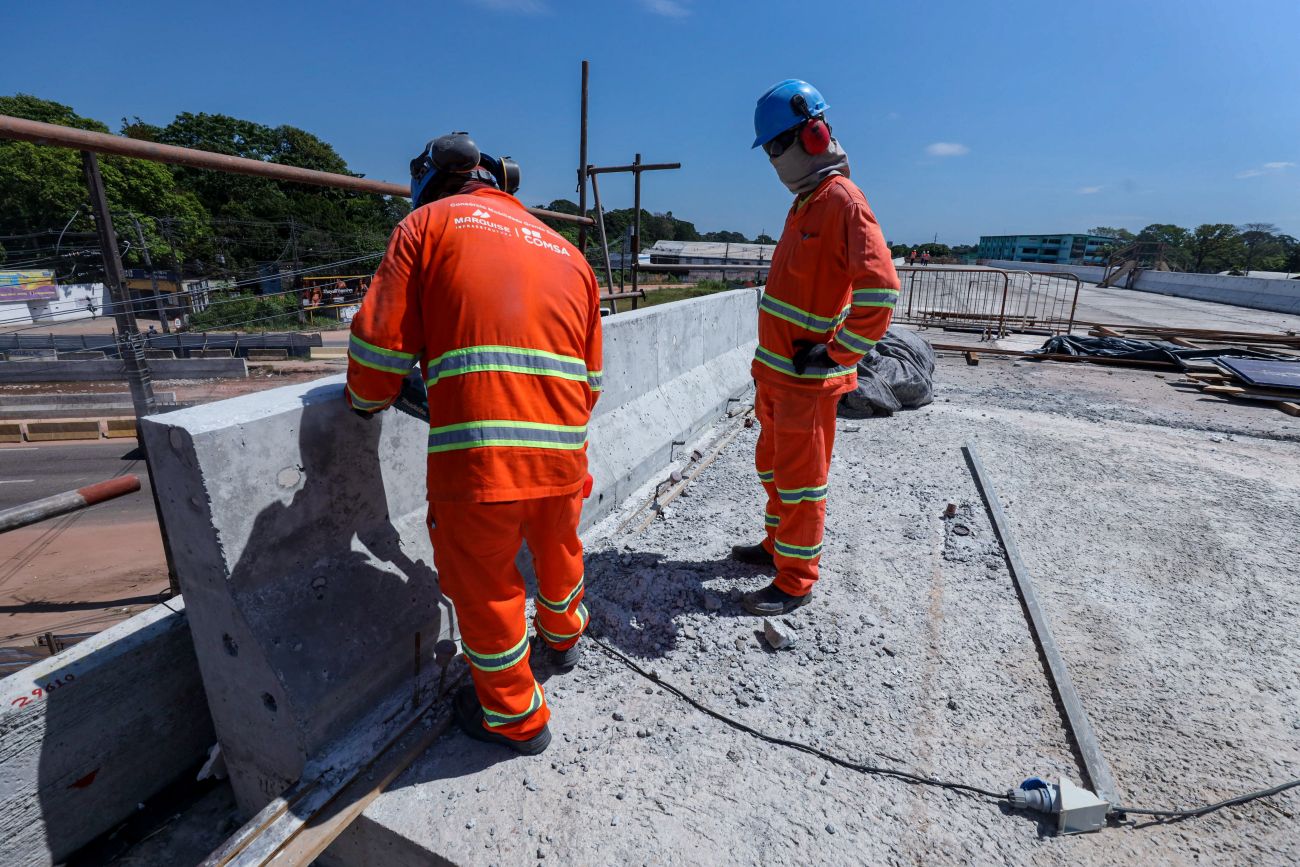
987	300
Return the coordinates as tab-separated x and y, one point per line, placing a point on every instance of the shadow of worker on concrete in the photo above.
335	587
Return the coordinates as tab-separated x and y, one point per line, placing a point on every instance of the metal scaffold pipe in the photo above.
68	501
20	129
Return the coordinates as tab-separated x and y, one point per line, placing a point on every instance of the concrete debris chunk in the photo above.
712	602
778	635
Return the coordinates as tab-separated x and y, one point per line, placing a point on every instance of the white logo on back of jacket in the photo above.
534	237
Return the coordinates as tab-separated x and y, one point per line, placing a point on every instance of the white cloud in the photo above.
947	149
523	7
1088	191
1266	169
667	8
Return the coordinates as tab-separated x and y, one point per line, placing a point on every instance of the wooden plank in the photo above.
1183	342
1289	408
316	836
322	808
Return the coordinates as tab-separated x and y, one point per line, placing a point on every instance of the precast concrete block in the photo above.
87	734
299	535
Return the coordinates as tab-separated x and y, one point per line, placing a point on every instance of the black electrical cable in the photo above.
919	779
1208	808
796	745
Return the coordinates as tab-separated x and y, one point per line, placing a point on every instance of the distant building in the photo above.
1064	249
712	253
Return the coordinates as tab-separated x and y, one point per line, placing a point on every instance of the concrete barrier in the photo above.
1255	293
268	355
299	534
95	730
12	372
44	431
116	428
210	353
159	353
82	355
11	433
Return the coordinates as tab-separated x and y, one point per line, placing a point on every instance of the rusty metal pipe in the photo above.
68	501
20	129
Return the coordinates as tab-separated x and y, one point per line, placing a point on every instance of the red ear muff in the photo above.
815	136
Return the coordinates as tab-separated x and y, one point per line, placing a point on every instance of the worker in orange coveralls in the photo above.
829	298
503	316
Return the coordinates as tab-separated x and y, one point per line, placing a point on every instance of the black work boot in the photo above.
755	555
561	660
469	714
772	600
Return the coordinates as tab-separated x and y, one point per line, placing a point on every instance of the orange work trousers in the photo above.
793	458
474	548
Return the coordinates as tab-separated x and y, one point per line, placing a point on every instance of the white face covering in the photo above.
801	172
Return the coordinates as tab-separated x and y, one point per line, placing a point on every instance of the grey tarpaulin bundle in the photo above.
897	374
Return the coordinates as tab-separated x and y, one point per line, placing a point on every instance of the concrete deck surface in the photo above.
1154	522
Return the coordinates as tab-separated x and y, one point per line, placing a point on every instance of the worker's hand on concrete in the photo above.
811	355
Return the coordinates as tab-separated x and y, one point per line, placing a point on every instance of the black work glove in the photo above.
812	354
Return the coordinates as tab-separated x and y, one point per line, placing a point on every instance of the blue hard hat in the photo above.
777	109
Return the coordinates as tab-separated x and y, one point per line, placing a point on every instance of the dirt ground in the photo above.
1157	525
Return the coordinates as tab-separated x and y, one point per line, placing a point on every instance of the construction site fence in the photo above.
987	300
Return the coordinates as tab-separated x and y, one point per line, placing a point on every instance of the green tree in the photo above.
1112	232
725	237
264	219
44	188
1263	246
764	238
1215	247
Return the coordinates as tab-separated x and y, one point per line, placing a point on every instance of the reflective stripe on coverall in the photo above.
503	316
832	281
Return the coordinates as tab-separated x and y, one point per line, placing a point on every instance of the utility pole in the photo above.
293	281
129	343
176	268
128	336
153	276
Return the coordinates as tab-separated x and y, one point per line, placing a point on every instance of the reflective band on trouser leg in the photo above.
497	720
551	530
564	639
804	425
596	379
563	605
802	495
497	661
764	458
378	358
474	547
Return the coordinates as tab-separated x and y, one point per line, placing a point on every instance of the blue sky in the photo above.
960	118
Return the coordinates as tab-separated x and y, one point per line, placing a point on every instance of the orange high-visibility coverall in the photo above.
832	281
503	316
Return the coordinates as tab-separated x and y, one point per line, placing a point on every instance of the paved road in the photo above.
34	470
